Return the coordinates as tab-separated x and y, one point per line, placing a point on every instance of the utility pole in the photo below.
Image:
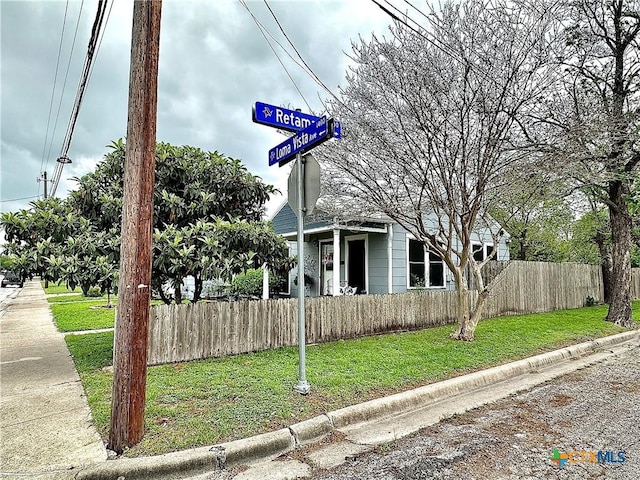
134	289
44	179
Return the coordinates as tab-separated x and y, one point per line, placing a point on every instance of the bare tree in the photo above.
432	127
591	122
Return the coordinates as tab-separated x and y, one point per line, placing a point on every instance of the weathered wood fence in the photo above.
202	330
635	282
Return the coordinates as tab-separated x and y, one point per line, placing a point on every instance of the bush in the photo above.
94	292
248	283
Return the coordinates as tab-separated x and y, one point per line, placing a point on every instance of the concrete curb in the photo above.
273	444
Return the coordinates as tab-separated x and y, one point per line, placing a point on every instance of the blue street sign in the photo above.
284	118
304	140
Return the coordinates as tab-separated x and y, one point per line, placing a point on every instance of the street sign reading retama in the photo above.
304	140
285	119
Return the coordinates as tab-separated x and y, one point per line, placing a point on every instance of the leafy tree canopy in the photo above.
207	224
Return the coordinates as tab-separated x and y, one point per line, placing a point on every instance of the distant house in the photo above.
369	256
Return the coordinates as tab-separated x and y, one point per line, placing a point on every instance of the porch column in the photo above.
390	258
336	262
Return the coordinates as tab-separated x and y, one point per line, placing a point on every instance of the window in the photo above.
416	264
481	251
478	252
425	269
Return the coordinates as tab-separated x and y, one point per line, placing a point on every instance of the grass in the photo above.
78	298
53	289
210	401
82	315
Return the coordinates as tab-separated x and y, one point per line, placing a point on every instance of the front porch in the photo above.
344	259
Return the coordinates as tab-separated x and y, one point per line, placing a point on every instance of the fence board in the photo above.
185	332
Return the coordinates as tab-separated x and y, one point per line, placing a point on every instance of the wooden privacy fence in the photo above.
203	330
533	287
635	282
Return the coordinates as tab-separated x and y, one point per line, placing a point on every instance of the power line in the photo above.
92	51
18	199
53	90
64	84
309	69
262	31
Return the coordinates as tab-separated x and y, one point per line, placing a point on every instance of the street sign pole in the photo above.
302	386
310	131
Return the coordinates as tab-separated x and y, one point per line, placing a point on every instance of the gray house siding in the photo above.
378	265
377	251
399	259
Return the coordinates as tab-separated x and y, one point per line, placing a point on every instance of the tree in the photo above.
207	215
35	234
432	127
538	218
592	122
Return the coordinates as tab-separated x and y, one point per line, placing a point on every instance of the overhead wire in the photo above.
92	50
262	31
53	90
64	85
308	67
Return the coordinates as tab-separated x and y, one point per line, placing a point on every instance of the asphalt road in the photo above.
588	420
6	293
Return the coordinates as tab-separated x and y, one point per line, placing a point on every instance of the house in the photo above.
375	255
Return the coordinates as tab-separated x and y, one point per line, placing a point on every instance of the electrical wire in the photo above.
262	31
53	90
64	85
18	199
309	69
92	50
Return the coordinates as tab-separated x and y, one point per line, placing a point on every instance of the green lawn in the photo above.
82	315
55	289
210	401
78	298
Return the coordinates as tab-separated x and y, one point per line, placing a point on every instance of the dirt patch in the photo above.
560	400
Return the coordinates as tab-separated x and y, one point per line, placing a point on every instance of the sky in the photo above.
214	65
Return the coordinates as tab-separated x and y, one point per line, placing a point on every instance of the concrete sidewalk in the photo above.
45	422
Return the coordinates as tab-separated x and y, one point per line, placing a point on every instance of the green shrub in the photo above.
248	283
94	292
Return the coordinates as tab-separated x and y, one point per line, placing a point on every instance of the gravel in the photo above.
596	409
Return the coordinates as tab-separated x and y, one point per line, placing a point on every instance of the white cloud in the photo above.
214	64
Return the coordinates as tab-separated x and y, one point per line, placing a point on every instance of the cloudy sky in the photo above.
214	65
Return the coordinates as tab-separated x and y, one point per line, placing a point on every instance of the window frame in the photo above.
426	263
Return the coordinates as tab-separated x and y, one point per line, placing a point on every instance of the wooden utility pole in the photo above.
134	289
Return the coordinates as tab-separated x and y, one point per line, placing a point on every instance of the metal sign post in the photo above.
302	386
311	131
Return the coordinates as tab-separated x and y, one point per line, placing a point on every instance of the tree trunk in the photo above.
468	317
466	325
620	304
177	292
197	291
606	264
163	296
522	251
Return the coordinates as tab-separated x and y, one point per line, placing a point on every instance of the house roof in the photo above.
285	223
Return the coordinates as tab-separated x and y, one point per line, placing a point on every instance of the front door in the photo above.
356	264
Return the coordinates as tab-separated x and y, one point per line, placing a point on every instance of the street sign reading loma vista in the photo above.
316	133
